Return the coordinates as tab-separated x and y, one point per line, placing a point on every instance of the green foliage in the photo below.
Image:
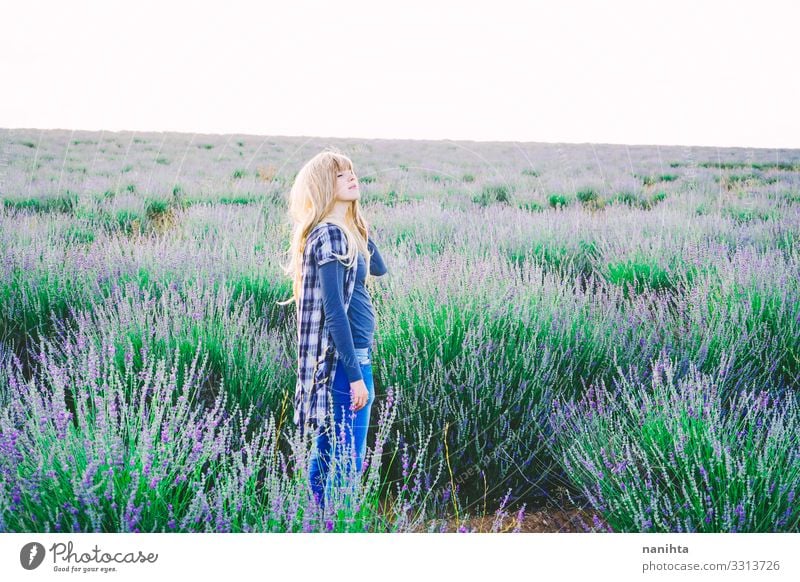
531	206
586	195
557	200
650	180
743	215
675	456
491	194
77	235
127	220
638	274
155	207
638	201
65	203
628	198
239	200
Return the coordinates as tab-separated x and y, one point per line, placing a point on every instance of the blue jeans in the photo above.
348	455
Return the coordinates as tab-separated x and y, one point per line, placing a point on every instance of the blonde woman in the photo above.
330	256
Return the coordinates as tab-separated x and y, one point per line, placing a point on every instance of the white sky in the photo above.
638	72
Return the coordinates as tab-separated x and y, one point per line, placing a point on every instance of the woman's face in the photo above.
346	186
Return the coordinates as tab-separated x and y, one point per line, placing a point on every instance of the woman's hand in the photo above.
358	395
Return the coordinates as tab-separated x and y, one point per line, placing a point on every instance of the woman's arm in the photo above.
376	265
332	280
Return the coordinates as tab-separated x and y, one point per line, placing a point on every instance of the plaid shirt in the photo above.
317	356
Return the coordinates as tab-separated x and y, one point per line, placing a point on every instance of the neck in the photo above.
339	209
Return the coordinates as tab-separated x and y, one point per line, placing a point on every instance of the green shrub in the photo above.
586	195
557	200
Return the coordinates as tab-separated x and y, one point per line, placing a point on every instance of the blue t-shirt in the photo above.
356	327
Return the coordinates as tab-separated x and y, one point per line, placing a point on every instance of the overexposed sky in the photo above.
674	72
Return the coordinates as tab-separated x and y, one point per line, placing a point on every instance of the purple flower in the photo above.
740	513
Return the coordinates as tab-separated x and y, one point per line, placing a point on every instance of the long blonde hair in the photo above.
311	199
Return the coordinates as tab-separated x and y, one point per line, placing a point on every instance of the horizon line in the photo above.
361	138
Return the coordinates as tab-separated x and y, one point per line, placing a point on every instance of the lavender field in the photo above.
600	331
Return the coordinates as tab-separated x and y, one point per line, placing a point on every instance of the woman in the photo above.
330	256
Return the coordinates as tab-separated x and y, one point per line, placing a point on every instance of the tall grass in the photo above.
138	452
672	455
